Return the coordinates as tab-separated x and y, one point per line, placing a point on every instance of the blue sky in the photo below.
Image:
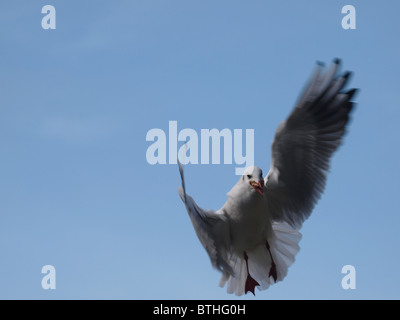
77	102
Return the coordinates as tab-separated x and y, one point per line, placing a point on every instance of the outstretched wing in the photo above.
304	144
211	228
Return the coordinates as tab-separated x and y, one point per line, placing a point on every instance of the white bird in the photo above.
254	237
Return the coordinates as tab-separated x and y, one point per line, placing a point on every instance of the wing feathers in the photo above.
211	229
304	144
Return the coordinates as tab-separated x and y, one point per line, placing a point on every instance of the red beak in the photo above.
257	186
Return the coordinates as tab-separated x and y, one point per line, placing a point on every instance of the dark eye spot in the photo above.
249	176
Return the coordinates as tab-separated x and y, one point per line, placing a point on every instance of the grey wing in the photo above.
304	144
211	228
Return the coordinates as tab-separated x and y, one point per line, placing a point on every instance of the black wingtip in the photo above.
351	93
337	61
347	75
320	64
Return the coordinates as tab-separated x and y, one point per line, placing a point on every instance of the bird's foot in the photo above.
250	285
272	270
250	282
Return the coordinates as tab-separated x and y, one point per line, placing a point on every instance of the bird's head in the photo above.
253	176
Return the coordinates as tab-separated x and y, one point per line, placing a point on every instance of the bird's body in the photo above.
254	237
248	218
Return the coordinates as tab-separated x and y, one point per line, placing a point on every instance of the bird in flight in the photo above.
254	237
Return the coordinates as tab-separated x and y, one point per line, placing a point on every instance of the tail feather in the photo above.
283	245
239	269
259	265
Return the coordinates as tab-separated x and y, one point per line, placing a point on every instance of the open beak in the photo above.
257	186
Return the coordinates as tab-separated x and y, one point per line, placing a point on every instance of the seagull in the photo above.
254	238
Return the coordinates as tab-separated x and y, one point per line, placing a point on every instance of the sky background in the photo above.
76	103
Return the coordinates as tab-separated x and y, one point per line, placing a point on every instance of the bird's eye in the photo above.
249	176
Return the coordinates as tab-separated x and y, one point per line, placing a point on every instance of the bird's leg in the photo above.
250	282
272	270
